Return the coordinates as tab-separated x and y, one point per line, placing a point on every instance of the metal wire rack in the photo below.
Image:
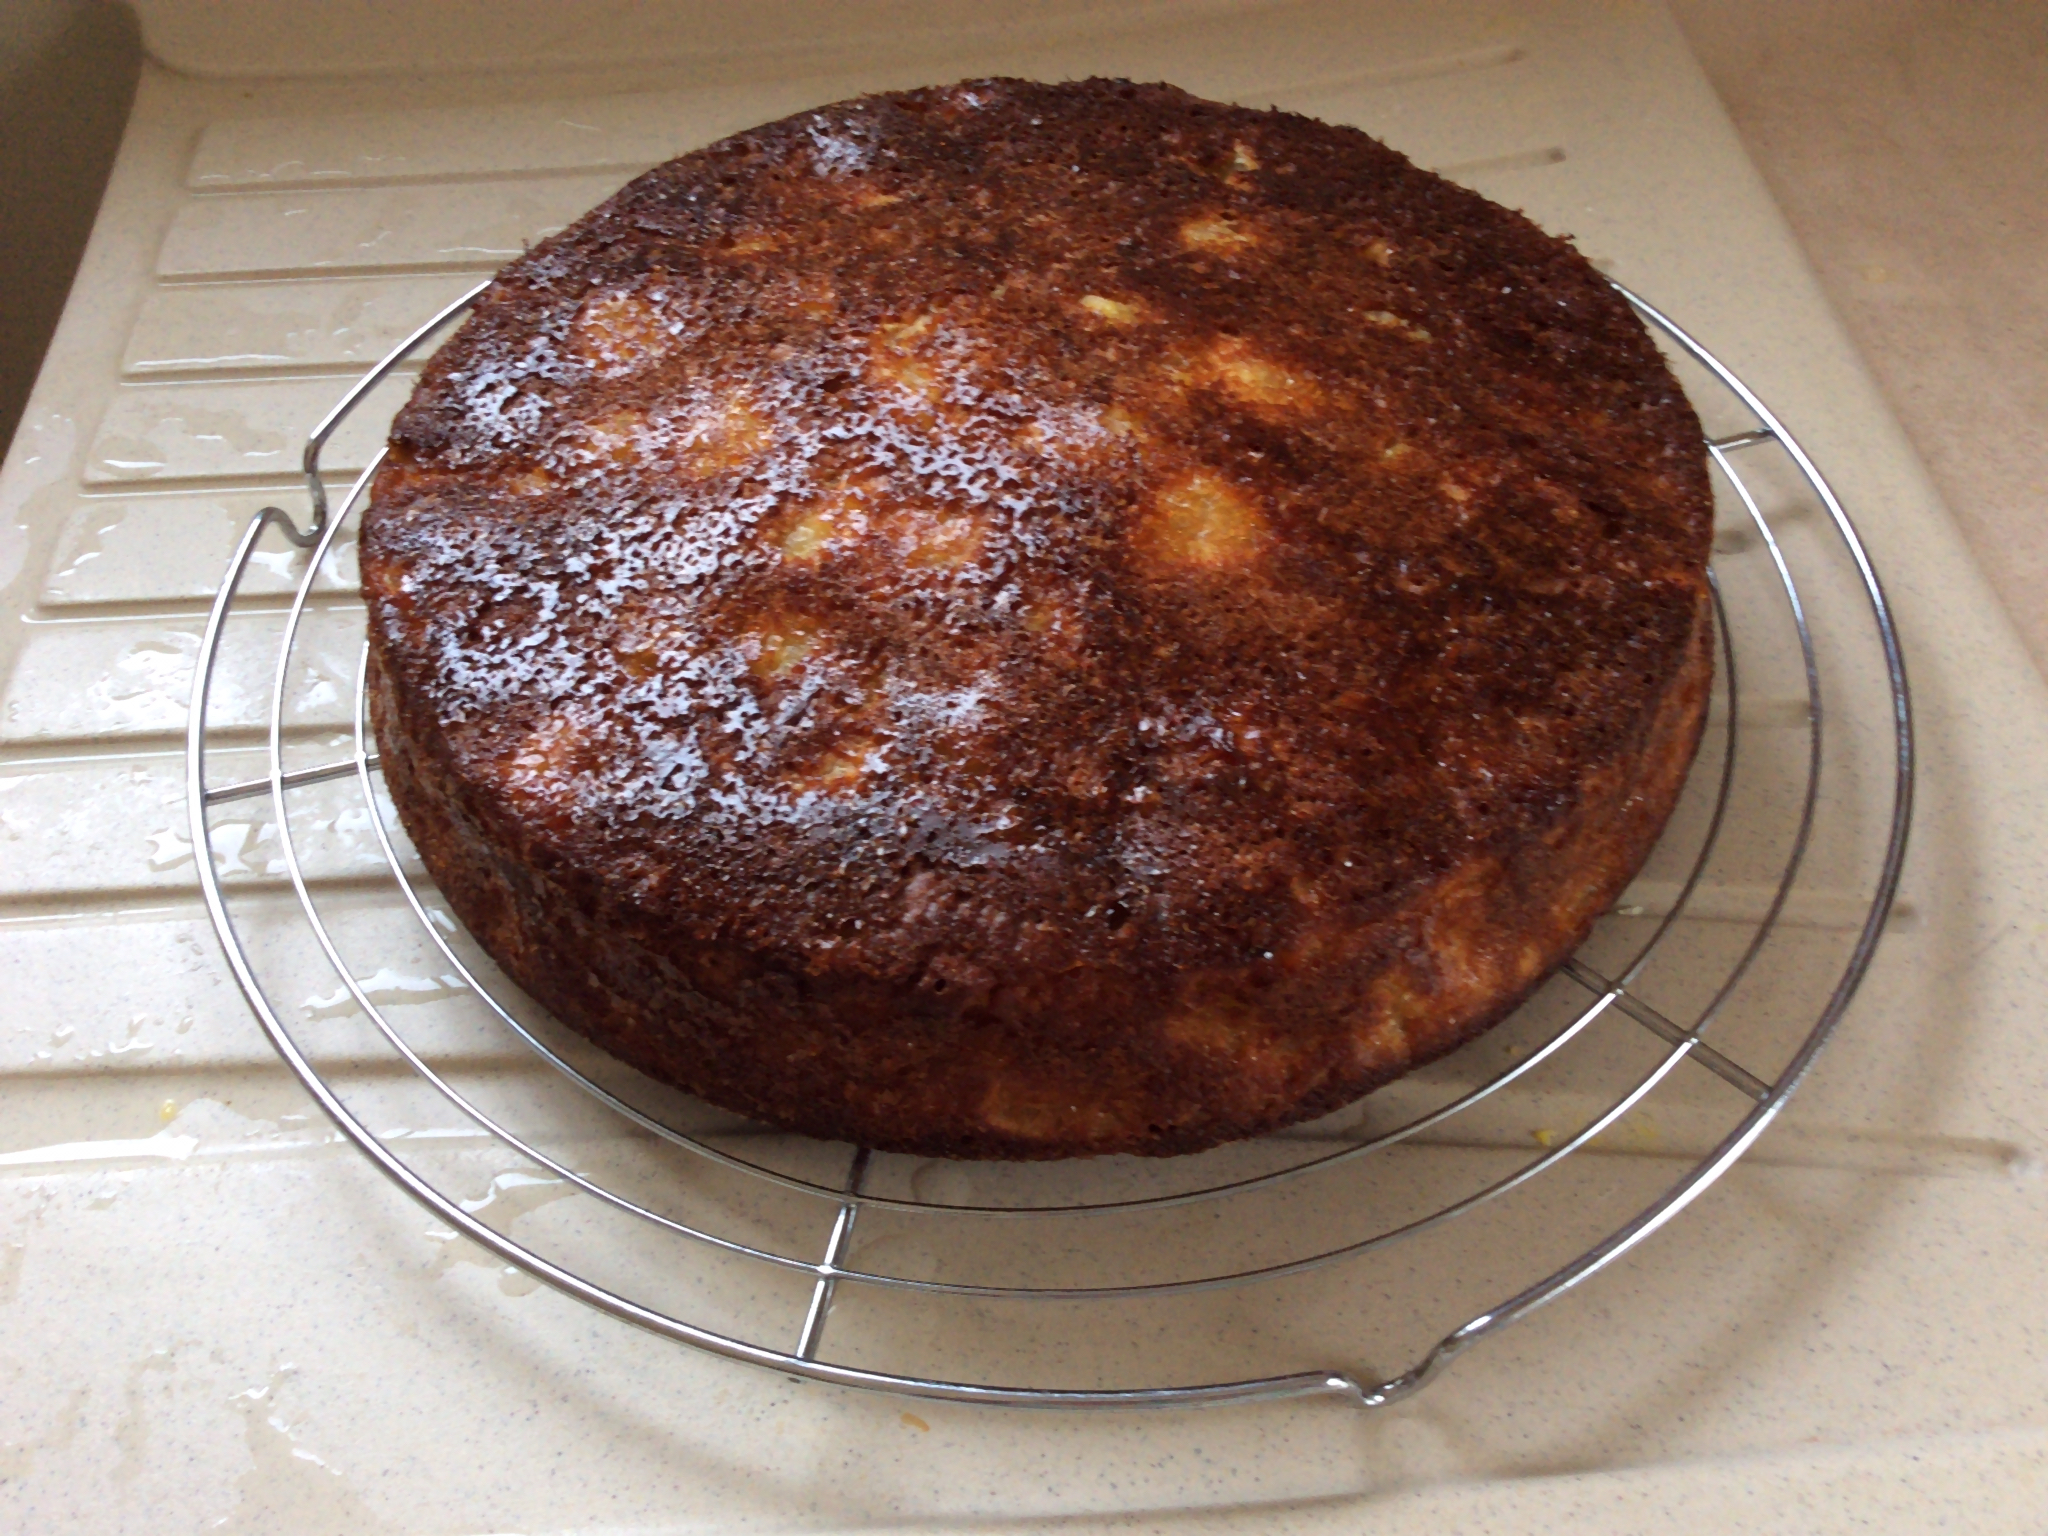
1733	947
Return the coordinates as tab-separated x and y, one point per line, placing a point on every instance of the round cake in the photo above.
1030	620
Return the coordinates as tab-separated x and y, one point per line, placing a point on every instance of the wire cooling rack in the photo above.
1440	1210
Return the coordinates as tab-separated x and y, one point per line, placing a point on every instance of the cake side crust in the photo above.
1091	1066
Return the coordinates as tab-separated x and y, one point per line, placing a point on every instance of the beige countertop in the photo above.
213	1315
1907	146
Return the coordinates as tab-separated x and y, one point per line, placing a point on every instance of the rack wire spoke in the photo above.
299	778
828	1270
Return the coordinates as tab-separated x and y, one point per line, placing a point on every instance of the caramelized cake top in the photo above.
1038	526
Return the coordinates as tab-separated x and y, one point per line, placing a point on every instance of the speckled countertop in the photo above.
1908	147
213	1316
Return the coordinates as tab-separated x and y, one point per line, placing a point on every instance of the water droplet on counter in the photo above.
387	988
288	1486
277	562
194	436
40	475
129	458
511	1195
133	1042
168	849
162	1145
148	686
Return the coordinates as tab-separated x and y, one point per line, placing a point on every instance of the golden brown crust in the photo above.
1027	620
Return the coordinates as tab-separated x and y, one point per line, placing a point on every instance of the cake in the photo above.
1024	621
